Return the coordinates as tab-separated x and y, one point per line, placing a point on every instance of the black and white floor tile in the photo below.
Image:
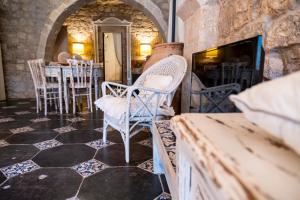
75	119
19	168
169	140
38	153
164	196
148	165
89	167
147	142
8	119
65	129
42	119
22	113
21	130
99	144
47	144
3	143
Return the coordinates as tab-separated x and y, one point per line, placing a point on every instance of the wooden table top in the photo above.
243	159
66	65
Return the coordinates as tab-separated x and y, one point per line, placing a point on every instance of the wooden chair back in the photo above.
82	72
37	72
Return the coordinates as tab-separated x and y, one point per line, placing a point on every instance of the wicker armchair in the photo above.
138	105
213	99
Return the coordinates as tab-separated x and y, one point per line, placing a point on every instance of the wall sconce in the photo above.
145	49
78	48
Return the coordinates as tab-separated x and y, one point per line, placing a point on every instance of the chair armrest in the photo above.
156	91
232	86
144	103
116	89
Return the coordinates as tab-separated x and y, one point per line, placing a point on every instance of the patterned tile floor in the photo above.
66	153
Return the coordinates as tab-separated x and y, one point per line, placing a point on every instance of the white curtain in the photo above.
118	46
113	69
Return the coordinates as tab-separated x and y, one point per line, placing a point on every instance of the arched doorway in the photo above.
57	17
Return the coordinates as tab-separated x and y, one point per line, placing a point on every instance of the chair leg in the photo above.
40	101
88	101
60	99
45	101
74	101
127	148
105	125
37	98
91	100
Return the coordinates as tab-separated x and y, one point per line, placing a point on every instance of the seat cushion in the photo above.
159	82
116	107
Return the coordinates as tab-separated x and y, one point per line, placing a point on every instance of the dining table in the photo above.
65	70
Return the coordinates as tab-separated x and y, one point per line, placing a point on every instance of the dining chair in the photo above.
81	81
46	87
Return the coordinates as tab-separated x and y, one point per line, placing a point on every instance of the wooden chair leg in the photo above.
40	101
91	101
74	102
127	146
60	99
45	101
104	132
37	98
88	101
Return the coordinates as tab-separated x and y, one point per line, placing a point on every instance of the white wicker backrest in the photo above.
37	72
174	66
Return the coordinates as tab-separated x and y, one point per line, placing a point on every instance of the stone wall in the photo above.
80	25
215	22
20	25
29	27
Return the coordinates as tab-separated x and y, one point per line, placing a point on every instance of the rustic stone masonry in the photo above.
80	24
28	30
210	23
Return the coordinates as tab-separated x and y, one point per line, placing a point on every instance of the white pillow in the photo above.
160	82
275	107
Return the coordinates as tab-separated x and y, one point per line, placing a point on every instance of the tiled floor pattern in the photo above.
66	153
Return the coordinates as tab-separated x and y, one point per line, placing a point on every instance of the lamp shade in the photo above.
78	48
145	49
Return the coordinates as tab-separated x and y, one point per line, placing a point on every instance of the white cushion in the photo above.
159	82
116	107
275	107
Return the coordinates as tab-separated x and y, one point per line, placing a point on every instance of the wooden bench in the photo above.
224	156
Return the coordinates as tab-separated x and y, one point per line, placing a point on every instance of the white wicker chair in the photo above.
139	105
45	87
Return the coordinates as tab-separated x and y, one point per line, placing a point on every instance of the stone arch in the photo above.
57	17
